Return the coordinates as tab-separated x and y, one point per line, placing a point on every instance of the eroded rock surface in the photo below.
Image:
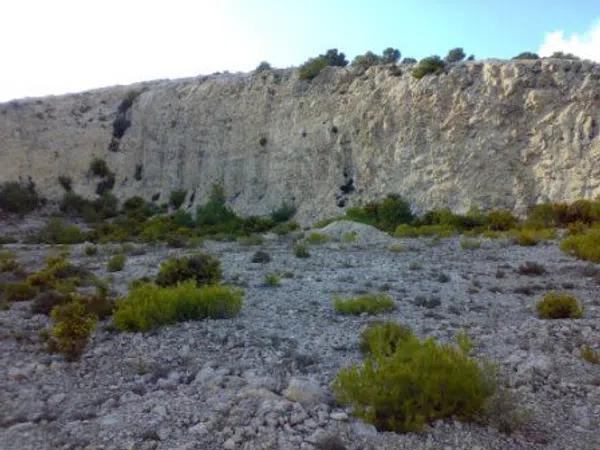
491	134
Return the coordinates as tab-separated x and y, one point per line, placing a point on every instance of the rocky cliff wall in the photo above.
492	134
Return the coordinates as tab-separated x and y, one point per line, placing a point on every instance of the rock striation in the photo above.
490	134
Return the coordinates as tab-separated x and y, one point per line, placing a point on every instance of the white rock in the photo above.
304	391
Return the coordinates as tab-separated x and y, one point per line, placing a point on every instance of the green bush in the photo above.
300	251
349	237
405	382
385	215
368	303
528	237
116	263
59	274
383	338
410	231
367	60
201	267
390	56
527	55
284	213
65	182
557	305
19	198
57	232
253	239
285	228
215	211
149	306
177	198
99	168
584	246
589	355
501	220
272	279
18	292
311	68
315	238
8	262
455	55
430	65
72	329
90	250
261	257
263	66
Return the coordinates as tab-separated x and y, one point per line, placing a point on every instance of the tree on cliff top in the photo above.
313	66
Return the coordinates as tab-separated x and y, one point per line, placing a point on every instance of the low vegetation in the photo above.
300	250
73	325
272	279
433	65
311	68
559	305
148	306
18	197
588	354
368	303
116	263
201	267
584	246
405	382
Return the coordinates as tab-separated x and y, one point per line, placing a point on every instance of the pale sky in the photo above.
60	46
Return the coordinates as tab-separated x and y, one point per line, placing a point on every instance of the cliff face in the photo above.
492	134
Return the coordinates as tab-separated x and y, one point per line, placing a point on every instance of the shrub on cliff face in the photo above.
263	66
455	55
311	68
430	65
177	198
527	55
19	198
385	215
284	213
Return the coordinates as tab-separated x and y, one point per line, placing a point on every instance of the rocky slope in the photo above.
492	134
262	380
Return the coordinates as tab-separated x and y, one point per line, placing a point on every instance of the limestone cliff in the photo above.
493	134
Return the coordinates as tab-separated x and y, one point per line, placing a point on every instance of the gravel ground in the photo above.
261	380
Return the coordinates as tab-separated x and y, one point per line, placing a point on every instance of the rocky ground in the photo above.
261	380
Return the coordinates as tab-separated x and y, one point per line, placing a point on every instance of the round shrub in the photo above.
383	338
559	305
417	382
429	65
73	326
18	198
584	246
203	268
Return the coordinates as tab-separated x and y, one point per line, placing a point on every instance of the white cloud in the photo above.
59	46
585	45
